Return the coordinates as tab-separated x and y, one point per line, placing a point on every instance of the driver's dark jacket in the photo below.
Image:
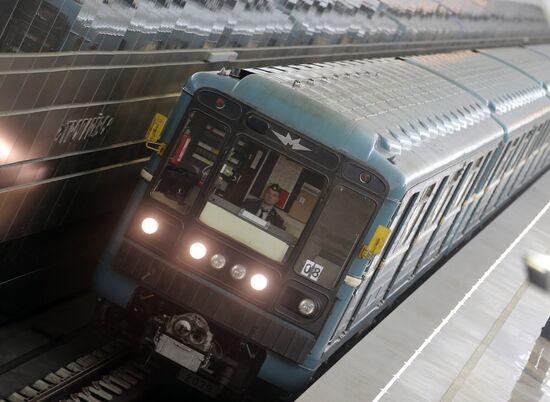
253	206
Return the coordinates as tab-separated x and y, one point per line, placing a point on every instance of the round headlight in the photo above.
197	250
307	307
258	282
217	261
149	225
238	271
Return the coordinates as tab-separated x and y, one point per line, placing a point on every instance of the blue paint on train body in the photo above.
312	119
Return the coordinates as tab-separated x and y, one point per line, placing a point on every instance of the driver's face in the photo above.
271	197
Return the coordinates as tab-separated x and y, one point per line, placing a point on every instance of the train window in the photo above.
516	156
340	225
444	197
442	191
261	198
190	162
481	173
501	163
416	216
467	182
543	144
524	148
515	144
404	215
538	140
546	131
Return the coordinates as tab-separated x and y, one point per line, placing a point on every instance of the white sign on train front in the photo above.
312	270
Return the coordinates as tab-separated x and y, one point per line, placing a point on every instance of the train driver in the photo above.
265	207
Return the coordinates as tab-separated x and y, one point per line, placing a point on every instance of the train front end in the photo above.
234	247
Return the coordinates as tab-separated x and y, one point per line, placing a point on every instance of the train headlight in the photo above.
149	225
197	250
258	282
307	307
238	271
217	261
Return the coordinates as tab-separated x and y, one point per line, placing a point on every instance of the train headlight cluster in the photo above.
218	261
198	251
307	307
149	226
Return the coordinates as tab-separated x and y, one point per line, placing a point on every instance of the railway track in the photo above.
64	354
68	353
108	373
113	373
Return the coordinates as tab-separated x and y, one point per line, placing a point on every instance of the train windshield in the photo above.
344	217
191	162
262	199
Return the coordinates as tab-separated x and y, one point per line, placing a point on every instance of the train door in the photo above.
453	213
433	228
527	158
466	206
371	293
542	160
533	153
344	220
411	236
483	194
510	173
518	164
493	187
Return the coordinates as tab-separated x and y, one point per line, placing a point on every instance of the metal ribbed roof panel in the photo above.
541	49
497	84
402	103
532	63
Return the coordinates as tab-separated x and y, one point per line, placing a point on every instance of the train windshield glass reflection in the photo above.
191	162
262	199
338	228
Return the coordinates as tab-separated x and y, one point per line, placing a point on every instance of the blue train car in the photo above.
293	204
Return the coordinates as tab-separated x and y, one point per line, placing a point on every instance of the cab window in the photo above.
190	163
343	219
261	198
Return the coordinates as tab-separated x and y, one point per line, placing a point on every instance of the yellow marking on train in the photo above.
153	134
376	243
155	128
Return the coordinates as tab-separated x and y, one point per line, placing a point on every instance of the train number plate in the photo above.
204	385
312	270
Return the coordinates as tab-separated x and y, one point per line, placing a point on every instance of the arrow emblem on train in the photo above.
287	140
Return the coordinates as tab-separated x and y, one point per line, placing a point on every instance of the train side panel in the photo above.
449	206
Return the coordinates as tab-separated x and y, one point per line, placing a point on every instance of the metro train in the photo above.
75	76
376	170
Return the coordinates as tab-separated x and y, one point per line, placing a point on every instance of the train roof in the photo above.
543	50
511	81
533	61
391	114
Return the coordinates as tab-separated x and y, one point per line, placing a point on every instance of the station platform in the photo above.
471	332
